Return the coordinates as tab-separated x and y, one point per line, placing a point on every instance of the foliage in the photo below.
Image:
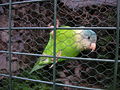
19	84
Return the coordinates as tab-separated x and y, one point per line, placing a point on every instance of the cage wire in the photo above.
27	40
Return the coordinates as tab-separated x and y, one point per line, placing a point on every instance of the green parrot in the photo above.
69	43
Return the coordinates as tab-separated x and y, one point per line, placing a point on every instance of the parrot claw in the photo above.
51	66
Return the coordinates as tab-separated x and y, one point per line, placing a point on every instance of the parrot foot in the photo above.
58	54
53	64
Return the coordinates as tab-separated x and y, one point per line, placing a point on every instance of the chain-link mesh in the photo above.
81	73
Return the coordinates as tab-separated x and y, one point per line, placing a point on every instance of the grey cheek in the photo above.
93	39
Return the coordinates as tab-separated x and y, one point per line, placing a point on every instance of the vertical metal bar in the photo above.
117	45
54	49
9	45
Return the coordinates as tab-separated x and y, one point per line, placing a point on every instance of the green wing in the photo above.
65	46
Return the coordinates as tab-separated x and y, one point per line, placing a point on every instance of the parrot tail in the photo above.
36	67
42	62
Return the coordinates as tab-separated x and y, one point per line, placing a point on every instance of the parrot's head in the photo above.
86	39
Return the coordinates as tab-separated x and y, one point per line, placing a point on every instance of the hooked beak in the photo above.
92	46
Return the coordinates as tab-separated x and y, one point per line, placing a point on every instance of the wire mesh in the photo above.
28	43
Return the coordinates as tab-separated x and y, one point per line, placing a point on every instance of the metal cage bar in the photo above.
22	2
9	46
50	28
54	47
51	83
117	45
74	58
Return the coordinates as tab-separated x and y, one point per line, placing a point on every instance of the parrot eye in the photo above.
88	37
